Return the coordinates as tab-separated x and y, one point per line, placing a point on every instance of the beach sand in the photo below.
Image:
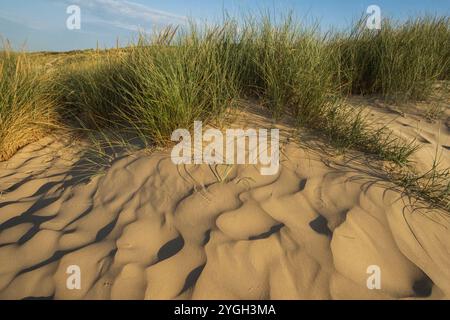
148	229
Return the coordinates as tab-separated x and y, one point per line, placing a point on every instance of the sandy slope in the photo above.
149	229
408	123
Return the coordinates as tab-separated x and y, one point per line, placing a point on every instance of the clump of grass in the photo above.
348	128
286	64
27	106
292	68
432	186
160	84
399	62
180	78
93	91
177	76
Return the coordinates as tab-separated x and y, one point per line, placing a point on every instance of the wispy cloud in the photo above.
128	15
15	19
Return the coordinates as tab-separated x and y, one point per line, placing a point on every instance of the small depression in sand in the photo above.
148	229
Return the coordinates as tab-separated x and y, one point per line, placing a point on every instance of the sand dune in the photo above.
147	229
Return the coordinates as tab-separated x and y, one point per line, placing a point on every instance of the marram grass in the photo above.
399	62
27	105
169	80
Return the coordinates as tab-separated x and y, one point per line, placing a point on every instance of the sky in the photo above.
40	25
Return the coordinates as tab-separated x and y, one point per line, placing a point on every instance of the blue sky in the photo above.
41	24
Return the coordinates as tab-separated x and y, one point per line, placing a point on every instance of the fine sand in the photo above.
147	229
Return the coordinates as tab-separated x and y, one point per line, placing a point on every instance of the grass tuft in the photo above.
27	105
400	62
